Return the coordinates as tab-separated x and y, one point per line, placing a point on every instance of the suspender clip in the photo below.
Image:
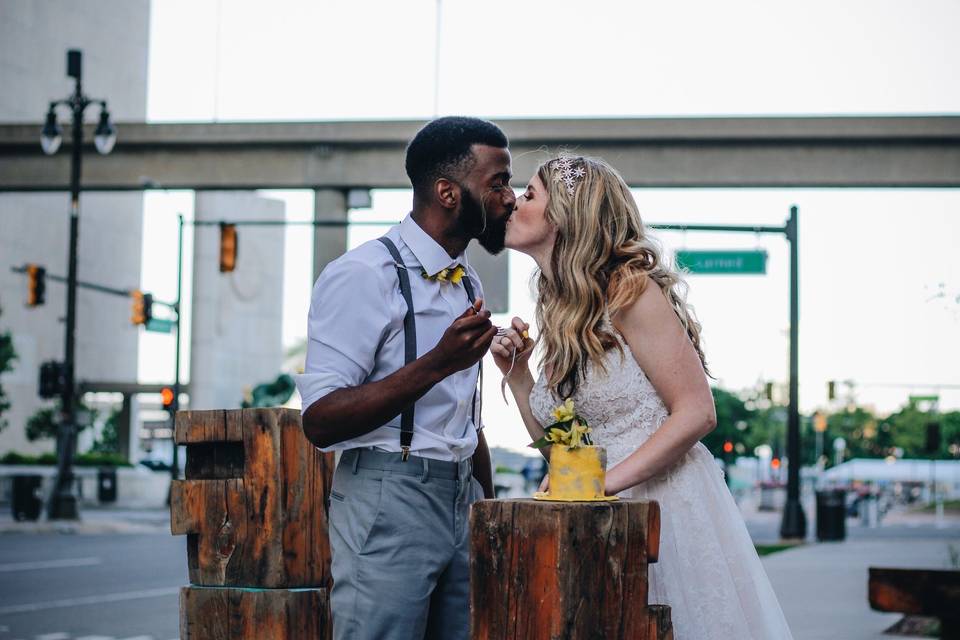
404	453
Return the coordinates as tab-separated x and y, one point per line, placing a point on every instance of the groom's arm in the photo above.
482	467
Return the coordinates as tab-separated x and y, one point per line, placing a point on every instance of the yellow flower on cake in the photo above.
564	412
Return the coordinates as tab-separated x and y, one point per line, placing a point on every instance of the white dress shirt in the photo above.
355	336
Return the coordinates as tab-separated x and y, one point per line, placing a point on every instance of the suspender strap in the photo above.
468	286
409	343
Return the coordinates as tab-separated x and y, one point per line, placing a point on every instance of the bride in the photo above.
618	338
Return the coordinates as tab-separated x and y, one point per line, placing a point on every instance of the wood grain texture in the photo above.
563	570
228	613
261	522
922	592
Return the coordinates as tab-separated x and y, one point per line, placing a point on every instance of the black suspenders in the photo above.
410	339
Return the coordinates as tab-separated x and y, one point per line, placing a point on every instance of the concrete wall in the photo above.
237	330
34	37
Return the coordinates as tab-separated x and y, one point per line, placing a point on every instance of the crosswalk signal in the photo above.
228	247
831	390
36	285
52	379
142	310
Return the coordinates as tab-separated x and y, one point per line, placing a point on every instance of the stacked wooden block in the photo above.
253	506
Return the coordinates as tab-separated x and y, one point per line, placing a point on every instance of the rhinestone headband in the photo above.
569	171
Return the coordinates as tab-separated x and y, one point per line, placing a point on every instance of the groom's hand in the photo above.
465	340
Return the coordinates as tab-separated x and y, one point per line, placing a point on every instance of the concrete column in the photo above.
126	443
329	243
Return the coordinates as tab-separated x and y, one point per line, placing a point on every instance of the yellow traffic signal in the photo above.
142	309
228	247
36	285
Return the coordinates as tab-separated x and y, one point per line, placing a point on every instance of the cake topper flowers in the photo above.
569	429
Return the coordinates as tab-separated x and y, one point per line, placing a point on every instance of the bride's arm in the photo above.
662	349
521	384
520	379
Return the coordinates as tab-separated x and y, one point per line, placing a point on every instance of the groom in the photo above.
396	332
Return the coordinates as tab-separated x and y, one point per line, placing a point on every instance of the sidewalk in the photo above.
93	521
822	587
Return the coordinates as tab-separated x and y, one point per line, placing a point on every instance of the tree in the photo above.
731	411
7	357
109	440
43	423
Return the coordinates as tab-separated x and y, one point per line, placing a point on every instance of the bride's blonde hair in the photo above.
602	261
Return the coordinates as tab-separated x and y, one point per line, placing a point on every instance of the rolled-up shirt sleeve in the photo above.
348	319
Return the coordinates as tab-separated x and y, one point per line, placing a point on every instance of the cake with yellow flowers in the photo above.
577	466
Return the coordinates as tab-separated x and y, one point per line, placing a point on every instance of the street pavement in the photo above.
116	574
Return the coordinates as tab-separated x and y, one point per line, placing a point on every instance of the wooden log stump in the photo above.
261	614
253	505
571	570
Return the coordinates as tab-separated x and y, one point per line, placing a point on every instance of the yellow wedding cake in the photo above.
577	467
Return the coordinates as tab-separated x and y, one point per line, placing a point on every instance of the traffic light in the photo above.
228	247
168	398
768	391
142	310
819	422
52	379
728	447
831	390
36	285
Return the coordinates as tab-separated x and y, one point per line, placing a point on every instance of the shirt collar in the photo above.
432	257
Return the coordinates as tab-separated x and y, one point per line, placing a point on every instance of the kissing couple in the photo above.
397	331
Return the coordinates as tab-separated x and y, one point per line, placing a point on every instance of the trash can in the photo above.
27	499
831	515
107	484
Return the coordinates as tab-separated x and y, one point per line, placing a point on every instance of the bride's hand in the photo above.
503	347
544	484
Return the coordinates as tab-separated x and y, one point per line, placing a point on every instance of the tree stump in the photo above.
571	570
253	506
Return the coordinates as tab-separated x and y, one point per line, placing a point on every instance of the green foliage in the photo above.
43	425
109	441
7	357
82	460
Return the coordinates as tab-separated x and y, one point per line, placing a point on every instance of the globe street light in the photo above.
63	502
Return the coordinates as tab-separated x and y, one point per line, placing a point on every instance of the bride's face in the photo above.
528	229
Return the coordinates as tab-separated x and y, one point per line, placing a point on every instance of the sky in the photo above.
879	276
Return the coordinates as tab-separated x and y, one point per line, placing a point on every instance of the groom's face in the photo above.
487	200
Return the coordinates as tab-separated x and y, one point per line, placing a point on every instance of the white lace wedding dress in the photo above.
708	571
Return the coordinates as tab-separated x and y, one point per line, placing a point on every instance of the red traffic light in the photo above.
167	397
728	447
775	463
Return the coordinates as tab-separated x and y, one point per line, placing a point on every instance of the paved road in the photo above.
96	587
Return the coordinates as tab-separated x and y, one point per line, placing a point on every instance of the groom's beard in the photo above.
490	235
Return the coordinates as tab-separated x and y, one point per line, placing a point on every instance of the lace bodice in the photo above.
620	404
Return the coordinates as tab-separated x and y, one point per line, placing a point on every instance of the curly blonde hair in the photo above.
602	260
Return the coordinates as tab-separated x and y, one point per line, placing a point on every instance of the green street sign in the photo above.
159	325
741	262
931	398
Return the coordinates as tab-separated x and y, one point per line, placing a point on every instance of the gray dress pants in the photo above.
399	544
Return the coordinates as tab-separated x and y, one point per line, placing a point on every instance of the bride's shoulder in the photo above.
651	309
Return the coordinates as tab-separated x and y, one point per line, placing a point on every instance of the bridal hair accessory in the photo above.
569	171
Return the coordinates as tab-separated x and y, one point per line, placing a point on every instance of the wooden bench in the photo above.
922	592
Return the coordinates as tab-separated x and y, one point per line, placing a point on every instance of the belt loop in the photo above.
356	460
426	470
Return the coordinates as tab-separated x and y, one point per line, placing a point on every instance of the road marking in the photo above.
139	638
50	564
76	602
96	638
58	635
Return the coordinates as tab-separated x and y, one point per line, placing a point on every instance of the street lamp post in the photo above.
63	502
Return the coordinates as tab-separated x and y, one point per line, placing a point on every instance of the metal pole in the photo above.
63	503
175	469
794	524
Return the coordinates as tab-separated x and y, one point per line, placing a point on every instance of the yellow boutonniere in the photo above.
454	275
